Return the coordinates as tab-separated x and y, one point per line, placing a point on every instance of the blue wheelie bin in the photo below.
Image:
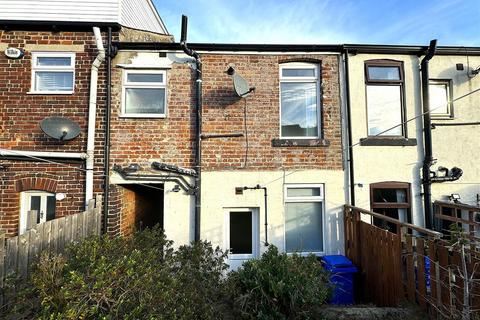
342	271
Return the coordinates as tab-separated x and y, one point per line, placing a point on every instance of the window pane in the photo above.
303	227
148	101
384	73
53	81
50	208
35	205
298	72
303	192
438	98
54	61
390	195
241	233
144	77
299	109
384	110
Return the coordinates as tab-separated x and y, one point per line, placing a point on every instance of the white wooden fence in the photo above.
18	253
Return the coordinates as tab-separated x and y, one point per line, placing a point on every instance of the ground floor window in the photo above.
40	201
304	218
391	199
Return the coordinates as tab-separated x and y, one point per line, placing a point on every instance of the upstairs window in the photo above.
384	90
440	99
53	72
144	94
299	100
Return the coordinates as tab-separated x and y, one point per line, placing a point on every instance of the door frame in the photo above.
25	203
255	233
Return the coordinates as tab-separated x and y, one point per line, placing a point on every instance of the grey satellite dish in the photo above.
60	128
242	89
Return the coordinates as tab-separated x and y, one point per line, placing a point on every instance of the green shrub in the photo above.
140	277
278	286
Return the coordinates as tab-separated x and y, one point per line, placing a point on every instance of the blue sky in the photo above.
452	22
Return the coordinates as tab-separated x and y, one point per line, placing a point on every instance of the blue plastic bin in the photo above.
342	271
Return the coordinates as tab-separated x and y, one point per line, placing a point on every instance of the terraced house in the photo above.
242	145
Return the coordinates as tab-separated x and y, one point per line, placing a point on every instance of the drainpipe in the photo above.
198	122
427	136
106	169
351	174
92	110
265	199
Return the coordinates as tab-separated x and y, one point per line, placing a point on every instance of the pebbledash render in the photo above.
286	136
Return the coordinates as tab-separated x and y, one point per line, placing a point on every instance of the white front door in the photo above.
42	202
242	235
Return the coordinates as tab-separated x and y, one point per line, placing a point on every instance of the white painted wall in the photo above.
452	146
218	195
387	163
458	145
136	14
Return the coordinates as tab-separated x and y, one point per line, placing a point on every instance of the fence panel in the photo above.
414	264
18	253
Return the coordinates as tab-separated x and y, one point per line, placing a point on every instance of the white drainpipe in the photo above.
43	154
92	111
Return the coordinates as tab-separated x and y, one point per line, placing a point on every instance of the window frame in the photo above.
450	114
287	199
49	54
376	82
316	79
143	85
255	234
392	205
25	203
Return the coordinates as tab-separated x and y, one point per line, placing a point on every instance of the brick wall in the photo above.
20	176
21	113
171	140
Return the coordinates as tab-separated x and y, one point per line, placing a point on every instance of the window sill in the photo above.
279	143
140	116
402	142
50	92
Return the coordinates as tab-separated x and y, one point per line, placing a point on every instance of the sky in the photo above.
452	22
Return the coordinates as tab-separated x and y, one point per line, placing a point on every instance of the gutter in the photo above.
427	136
106	154
92	110
352	48
198	123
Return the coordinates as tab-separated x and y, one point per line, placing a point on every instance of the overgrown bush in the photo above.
140	277
279	286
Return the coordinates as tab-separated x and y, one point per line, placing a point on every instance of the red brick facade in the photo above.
171	139
20	116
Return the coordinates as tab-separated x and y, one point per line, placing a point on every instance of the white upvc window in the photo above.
440	99
144	94
41	201
300	114
304	218
242	233
53	72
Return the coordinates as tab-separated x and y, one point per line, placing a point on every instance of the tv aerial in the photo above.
59	128
242	89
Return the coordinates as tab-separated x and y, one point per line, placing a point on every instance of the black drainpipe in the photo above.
106	182
265	199
198	122
427	136
349	129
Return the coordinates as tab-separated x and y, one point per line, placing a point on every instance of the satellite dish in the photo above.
60	128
